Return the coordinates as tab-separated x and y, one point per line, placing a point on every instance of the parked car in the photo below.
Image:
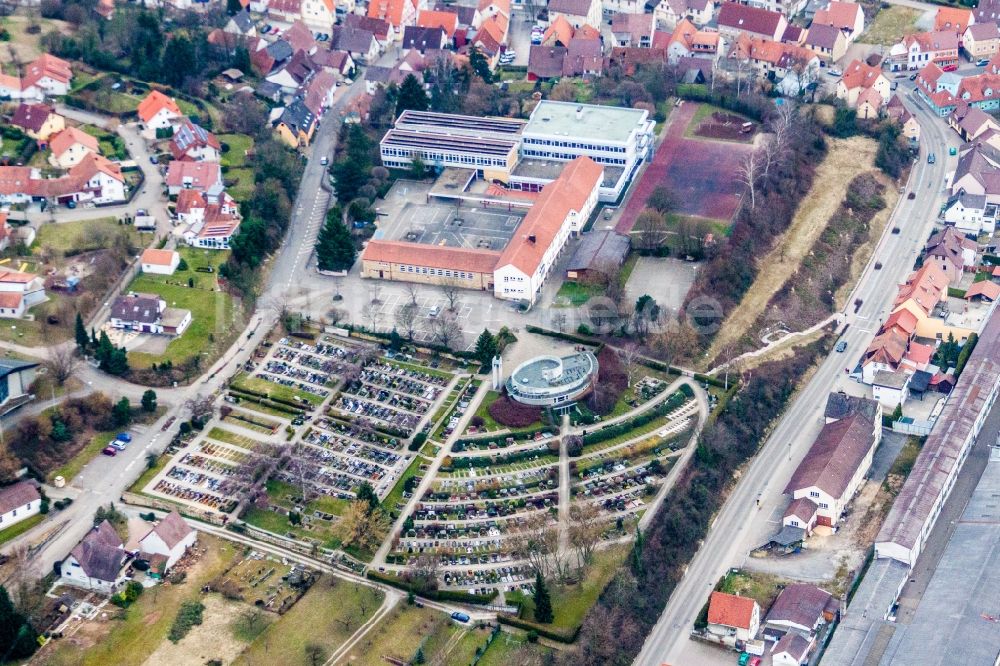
949	68
841	346
110	451
460	617
913	77
153	160
124	437
324	160
118	444
435	311
833	71
982	62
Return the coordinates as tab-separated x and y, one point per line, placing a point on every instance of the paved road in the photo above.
740	525
104	479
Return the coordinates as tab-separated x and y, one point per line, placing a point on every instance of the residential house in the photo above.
284	11
16	184
735	19
896	111
70	146
491	36
171	538
157	112
383	31
955	20
986	11
319	14
891	388
688	41
318	95
582	57
800	609
983	291
791	67
96	562
205	177
978	172
195	143
295	73
840	405
981	40
300	37
802	513
18	501
859	77
215	229
966	212
16	378
633	29
445	20
835	466
423	39
921	294
97	179
670	12
148	313
733	617
827	41
611	7
360	43
266	57
159	262
241	24
791	650
848	17
887	349
558	33
398	13
970	122
46	76
919	49
39	121
296	124
577	12
952	252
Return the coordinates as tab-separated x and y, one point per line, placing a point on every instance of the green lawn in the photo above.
574	294
507	646
86	235
272	390
243	183
272	521
216	318
187	108
280	492
327	615
396	494
86	454
571	602
483	412
416	367
890	26
229	437
20	528
148	473
238	144
399	635
141	629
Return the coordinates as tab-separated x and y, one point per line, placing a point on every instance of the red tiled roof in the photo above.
953	19
730	610
838	14
155	101
903	319
985	289
431	256
158	257
447	21
67	138
925	286
749	19
47	66
860	75
10	299
31	117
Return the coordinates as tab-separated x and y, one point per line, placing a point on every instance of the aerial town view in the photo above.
499	332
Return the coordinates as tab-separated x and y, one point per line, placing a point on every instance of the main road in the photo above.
103	480
741	524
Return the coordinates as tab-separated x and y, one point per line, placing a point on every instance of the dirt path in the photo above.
846	159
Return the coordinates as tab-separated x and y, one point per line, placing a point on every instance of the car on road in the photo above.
324	160
931	158
841	346
949	68
460	617
153	160
118	444
124	437
982	62
913	77
833	71
109	451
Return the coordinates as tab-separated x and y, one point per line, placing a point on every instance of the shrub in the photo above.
189	615
513	414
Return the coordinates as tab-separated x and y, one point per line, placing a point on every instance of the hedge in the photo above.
622	427
258	394
266	402
569	337
456	596
361	332
516	434
561	636
963	356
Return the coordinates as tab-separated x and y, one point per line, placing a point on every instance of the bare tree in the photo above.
406	318
651	227
445	330
63	363
201	407
630	357
412	291
315	654
749	173
585	531
451	291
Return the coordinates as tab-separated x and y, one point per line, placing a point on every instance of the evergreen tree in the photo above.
82	339
419	658
233	7
149	401
367	494
335	250
121	413
117	362
93	338
178	60
18	638
486	348
417	167
543	602
480	65
351	172
412	96
637	547
104	349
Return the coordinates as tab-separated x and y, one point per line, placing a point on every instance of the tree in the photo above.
179	60
445	329
543	602
367	494
662	200
564	91
18	639
63	362
480	65
451	291
82	339
418	657
315	654
118	362
418	170
749	172
233	7
412	96
335	249
406	318
121	414
651	226
149	401
486	348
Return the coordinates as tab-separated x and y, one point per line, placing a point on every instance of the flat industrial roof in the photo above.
600	123
535	167
450	123
448	142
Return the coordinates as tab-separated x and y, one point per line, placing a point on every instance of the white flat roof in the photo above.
601	123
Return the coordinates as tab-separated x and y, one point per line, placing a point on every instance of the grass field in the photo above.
395	495
230	437
260	385
238	144
574	294
86	235
326	616
400	633
20	528
845	159
890	26
129	641
243	183
508	648
149	473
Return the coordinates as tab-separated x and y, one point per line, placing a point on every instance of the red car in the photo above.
949	68
110	451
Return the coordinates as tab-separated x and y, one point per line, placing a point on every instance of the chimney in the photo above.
532	239
579	113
